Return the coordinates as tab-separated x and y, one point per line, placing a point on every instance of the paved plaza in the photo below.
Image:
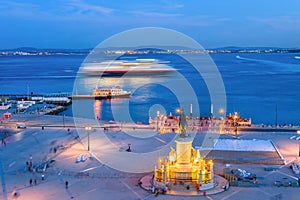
90	179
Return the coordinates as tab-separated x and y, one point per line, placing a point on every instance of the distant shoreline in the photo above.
120	51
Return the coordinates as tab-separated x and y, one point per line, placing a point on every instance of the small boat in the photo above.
21	110
5	105
105	93
24	104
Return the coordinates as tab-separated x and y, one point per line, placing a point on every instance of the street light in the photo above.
235	117
88	129
221	111
157	118
298	132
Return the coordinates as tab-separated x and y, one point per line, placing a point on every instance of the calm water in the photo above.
255	84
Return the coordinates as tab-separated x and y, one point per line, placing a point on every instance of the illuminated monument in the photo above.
185	164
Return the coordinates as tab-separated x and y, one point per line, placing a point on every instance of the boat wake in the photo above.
252	59
281	66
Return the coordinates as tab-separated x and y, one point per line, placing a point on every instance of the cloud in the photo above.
287	23
89	8
178	6
17	9
53	10
203	20
154	14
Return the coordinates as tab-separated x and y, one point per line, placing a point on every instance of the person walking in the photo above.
15	193
35	182
67	184
30	181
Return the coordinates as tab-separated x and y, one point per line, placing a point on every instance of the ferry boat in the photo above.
122	67
105	93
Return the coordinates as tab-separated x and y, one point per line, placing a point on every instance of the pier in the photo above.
52	111
61	98
32	95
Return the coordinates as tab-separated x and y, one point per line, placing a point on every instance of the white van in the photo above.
21	125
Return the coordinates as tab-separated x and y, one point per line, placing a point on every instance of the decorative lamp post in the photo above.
298	132
88	129
235	117
157	120
221	111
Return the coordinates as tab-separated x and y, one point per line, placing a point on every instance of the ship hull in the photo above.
125	73
100	97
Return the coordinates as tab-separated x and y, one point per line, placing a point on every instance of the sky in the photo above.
86	23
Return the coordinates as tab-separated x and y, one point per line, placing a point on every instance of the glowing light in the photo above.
221	111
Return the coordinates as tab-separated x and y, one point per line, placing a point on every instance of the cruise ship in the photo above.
105	93
122	67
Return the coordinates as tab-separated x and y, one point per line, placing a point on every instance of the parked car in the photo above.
42	167
278	183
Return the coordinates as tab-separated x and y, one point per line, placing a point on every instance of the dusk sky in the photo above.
85	23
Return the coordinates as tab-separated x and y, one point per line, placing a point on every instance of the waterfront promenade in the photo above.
93	180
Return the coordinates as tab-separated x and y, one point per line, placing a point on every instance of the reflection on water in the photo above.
103	109
86	85
97	109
